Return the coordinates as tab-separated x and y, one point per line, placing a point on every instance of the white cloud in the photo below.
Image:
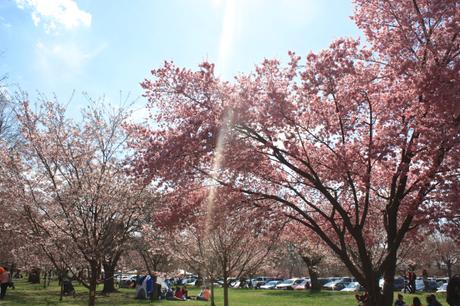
64	59
55	13
4	23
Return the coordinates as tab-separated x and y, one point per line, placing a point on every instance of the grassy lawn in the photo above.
35	295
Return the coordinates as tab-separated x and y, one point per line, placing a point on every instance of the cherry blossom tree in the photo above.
359	143
436	253
80	203
284	261
152	249
312	252
215	234
446	255
10	219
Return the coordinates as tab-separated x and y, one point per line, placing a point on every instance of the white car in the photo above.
189	282
235	284
127	280
352	287
301	285
442	288
289	283
270	284
257	282
337	284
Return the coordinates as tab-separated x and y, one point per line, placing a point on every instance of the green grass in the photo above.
35	295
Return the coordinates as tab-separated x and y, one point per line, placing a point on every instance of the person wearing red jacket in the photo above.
4	281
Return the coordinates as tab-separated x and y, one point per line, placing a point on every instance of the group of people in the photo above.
452	298
181	294
430	301
410	280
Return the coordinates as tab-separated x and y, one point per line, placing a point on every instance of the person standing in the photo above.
4	282
426	286
412	277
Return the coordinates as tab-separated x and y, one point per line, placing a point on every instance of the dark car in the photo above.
420	285
324	280
399	283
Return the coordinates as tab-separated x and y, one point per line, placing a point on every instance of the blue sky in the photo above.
104	47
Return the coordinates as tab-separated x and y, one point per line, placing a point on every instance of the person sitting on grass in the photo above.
400	301
180	294
205	294
170	296
185	293
362	299
432	301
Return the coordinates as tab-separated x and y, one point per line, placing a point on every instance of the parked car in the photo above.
324	280
337	284
353	287
259	281
442	288
189	281
289	283
399	283
304	284
442	280
270	284
420	285
239	283
127	281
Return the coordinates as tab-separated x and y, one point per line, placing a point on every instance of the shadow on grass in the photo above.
35	295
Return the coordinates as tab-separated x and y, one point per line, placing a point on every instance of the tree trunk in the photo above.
109	264
93	284
212	293
109	282
449	268
389	271
312	263
377	296
225	289
315	286
61	284
373	291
